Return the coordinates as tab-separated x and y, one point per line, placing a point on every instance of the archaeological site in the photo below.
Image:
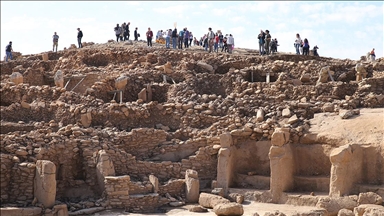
120	127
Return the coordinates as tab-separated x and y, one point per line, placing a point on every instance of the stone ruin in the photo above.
116	126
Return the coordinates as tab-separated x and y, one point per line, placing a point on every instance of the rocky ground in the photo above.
174	106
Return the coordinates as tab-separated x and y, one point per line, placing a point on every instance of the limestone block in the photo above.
235	197
361	73
61	210
286	113
323	75
345	114
104	167
241	132
45	183
155	182
197	208
328	107
121	82
226	140
59	79
176	204
210	200
86	119
334	205
143	95
305	78
225	168
293	119
16	78
168	68
205	66
280	137
45	56
370	198
368	209
345	212
14	211
231	209
260	115
340	181
192	186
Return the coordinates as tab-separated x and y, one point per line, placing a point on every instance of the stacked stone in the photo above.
117	190
140	188
5	175
22	177
175	188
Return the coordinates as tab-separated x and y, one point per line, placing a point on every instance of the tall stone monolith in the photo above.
45	183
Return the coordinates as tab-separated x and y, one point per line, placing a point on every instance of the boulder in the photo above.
16	78
197	208
345	212
368	209
205	66
280	137
305	78
155	183
230	209
345	114
286	113
218	191
334	205
210	200
370	198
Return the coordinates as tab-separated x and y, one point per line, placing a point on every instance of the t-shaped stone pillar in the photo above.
59	79
45	183
192	186
225	162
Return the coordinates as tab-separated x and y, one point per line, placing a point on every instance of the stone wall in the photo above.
174	188
5	176
21	185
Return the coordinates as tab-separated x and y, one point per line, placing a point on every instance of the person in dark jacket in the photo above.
126	31
135	34
174	38
79	37
8	51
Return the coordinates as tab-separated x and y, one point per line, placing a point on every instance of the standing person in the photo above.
297	44
168	38
55	41
225	47
117	32
306	47
190	38
186	38
79	37
174	38
221	37
276	43
126	31
135	34
211	37
216	45
267	41
8	51
373	55
230	43
181	37
122	28
261	38
149	35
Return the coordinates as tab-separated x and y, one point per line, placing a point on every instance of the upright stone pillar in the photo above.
192	187
282	164
104	167
225	162
345	170
45	183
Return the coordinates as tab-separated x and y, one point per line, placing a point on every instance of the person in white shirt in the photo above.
230	43
298	43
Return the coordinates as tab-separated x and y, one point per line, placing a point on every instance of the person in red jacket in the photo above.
149	37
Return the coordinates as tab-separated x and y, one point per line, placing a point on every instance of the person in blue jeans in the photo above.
297	44
8	51
174	38
261	38
168	38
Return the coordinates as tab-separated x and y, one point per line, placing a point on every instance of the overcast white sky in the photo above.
340	29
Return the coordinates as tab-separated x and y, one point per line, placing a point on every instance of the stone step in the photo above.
300	199
311	183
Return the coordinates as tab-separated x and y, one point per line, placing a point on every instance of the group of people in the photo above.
302	46
267	45
216	40
122	32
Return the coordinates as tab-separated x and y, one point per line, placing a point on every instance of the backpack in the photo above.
174	33
8	48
